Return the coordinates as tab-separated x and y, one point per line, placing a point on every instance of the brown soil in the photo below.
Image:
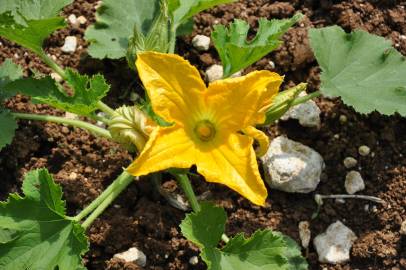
84	165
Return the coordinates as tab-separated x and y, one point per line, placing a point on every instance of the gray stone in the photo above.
354	182
307	113
364	150
70	44
334	245
201	42
291	166
350	162
133	255
214	73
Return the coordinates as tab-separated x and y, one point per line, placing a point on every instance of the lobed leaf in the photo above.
8	72
8	125
87	91
35	233
115	22
182	10
29	22
361	68
264	250
237	52
30	35
205	227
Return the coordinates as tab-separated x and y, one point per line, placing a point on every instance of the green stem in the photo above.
52	64
105	199
303	99
187	188
105	108
61	120
172	39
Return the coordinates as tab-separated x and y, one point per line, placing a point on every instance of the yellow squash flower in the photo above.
213	127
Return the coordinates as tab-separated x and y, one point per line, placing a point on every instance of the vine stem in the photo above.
105	108
187	188
97	207
61	120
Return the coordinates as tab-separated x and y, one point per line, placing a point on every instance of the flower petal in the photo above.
243	101
234	164
173	85
166	148
260	137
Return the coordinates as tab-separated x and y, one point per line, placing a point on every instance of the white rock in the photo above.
237	74
214	73
201	42
333	246
194	260
343	119
70	44
304	233
72	116
403	228
364	150
271	64
350	162
73	176
56	76
133	255
308	113
291	166
354	182
82	19
73	20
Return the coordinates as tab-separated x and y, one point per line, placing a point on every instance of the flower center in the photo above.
205	130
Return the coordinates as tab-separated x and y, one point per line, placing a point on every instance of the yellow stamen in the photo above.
205	130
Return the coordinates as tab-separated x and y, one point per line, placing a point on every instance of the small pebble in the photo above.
354	182
214	73
70	44
340	201
82	19
403	228
65	130
271	64
201	42
56	76
73	20
374	209
194	260
343	119
133	255
304	233
73	176
350	162
364	150
366	207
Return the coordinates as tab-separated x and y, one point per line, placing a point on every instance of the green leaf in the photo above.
236	52
33	9
31	34
8	72
361	68
38	234
264	250
87	91
8	125
115	23
182	10
205	227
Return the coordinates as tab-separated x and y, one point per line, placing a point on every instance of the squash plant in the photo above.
184	123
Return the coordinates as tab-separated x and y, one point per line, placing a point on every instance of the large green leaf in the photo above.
8	125
36	234
87	91
237	52
264	250
29	22
8	72
33	9
30	35
361	68
115	22
209	235
182	10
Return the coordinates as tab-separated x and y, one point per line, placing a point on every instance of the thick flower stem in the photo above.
184	183
61	120
97	207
